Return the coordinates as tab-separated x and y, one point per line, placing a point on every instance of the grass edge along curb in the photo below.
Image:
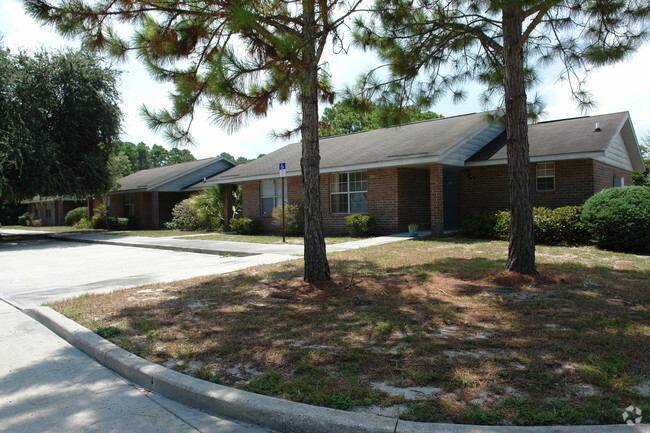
283	415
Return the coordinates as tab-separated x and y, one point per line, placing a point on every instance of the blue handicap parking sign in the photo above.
283	166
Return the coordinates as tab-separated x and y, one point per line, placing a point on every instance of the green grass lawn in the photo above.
424	330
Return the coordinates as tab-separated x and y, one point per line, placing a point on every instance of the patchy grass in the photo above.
265	239
432	329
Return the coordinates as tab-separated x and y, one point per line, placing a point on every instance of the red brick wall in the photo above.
382	201
413	193
486	188
436	199
604	176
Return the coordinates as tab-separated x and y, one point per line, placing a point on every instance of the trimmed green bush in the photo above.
73	217
561	226
564	226
23	219
244	226
184	216
619	218
360	225
294	222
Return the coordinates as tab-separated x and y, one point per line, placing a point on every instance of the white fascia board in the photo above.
159	184
340	169
545	158
470	137
632	144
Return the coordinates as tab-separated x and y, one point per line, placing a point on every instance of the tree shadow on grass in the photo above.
452	323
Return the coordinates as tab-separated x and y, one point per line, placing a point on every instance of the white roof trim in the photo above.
355	167
545	158
185	173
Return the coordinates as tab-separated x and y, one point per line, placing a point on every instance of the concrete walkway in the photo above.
223	247
47	385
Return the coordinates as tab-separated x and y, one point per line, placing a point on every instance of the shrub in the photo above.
619	218
244	226
360	225
23	219
73	217
561	226
37	223
202	211
480	225
502	225
294	222
83	223
184	216
565	227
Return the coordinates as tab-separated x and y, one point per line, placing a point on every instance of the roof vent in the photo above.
597	128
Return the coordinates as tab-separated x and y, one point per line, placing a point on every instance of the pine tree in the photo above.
498	43
239	57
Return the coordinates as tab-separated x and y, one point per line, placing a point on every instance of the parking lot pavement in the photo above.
39	271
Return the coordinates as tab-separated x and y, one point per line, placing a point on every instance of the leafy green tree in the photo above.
433	46
643	178
59	119
176	156
239	57
343	118
158	156
119	166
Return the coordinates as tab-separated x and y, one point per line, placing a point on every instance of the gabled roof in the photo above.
173	177
413	143
570	139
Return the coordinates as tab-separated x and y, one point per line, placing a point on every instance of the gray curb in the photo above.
151	246
282	415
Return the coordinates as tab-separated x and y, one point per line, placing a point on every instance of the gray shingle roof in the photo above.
560	137
145	179
426	139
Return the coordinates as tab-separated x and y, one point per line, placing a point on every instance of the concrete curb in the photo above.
282	415
151	246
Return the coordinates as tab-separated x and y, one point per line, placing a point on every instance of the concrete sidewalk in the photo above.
222	247
47	385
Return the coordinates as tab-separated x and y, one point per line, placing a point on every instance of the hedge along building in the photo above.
148	196
435	173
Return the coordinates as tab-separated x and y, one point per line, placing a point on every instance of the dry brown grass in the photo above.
473	344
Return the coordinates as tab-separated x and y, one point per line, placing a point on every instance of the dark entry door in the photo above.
451	197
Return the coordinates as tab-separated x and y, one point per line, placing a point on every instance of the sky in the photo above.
621	87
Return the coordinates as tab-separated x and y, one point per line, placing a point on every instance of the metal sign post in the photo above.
283	173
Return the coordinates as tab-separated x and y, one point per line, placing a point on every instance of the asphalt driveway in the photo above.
39	271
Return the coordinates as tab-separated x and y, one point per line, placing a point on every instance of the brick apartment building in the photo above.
435	173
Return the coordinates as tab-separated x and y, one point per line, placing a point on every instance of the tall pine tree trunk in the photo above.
521	250
316	265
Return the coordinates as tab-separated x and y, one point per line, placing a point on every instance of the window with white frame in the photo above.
619	181
349	192
271	195
546	176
